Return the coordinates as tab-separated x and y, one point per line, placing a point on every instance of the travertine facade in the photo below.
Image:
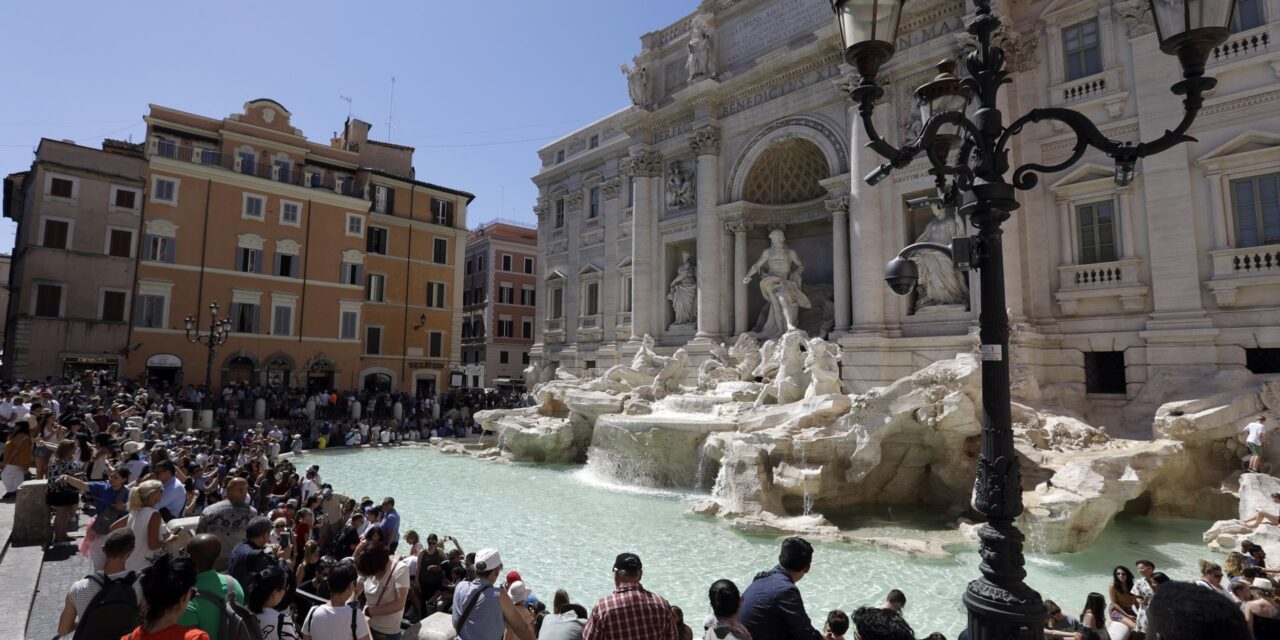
500	290
1123	294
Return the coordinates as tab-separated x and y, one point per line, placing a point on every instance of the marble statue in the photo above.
780	286
644	367
637	84
701	62
683	293
822	363
788	383
532	374
668	378
940	284
733	364
680	186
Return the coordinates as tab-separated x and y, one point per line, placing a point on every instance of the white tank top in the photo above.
141	556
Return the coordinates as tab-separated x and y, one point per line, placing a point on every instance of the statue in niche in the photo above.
683	292
637	84
780	286
700	62
940	284
680	186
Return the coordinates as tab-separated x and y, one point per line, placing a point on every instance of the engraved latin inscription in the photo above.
774	24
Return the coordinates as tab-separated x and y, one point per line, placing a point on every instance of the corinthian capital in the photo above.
644	165
838	204
610	188
705	141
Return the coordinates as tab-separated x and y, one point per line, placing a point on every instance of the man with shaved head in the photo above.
204	550
227	519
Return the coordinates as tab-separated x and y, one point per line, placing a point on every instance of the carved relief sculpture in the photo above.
940	283
701	61
637	84
680	186
683	293
780	286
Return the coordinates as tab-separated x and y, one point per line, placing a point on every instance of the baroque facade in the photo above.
740	125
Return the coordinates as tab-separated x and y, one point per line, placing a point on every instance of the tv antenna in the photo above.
391	106
348	99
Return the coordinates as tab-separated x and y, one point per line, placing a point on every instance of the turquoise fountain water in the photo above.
561	527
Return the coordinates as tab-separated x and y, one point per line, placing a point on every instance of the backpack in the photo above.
113	612
237	622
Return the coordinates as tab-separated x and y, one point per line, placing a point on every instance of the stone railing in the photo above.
555	324
1105	89
1105	282
589	322
624	318
1240	268
1242	45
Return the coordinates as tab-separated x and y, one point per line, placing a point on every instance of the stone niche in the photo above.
812	243
671	256
914	224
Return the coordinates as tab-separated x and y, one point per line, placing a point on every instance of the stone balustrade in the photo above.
1108	282
1242	268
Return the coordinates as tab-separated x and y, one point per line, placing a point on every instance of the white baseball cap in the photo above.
487	560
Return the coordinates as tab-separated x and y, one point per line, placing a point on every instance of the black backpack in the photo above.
113	612
236	621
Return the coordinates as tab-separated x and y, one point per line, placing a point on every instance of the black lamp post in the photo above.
217	334
1000	603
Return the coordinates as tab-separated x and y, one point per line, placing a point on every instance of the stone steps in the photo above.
20	573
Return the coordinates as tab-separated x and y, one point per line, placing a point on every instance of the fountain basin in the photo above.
656	450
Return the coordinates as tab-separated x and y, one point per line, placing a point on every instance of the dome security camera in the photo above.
901	275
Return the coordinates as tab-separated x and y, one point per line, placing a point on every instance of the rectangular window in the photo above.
506	295
376	241
55	233
593	299
594	210
373	340
148	311
559	221
1104	372
526	296
61	187
1248	15
595	142
282	169
352	273
526	329
287	265
559	156
383	199
507	328
120	243
166	148
113	306
249	260
1257	207
1262	360
247	162
1097	227
466	298
557	303
165	190
244	317
479	263
470	265
48	301
478	295
1080	46
589	364
524	358
159	249
503	358
126	199
349	325
435	345
345	185
376	290
435	295
253	207
506	262
290	213
626	294
440	251
528	265
282	321
442	212
208	156
355	225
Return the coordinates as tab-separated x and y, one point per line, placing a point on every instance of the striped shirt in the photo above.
486	621
631	613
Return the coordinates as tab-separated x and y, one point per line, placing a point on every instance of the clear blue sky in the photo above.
479	85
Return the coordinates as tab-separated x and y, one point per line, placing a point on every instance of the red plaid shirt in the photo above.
631	613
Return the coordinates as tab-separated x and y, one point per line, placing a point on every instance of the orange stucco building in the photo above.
336	267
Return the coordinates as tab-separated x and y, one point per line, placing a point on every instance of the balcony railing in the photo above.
1119	280
1238	269
624	318
1239	47
288	174
555	324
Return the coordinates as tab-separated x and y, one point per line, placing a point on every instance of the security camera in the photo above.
875	177
901	275
923	202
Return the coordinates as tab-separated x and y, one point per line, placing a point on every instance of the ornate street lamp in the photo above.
217	334
1000	603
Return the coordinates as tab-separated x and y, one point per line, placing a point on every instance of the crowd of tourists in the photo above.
278	554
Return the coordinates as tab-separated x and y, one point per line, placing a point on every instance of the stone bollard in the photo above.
355	410
437	626
373	435
133	433
397	411
206	419
186	530
185	419
260	409
435	411
311	408
31	521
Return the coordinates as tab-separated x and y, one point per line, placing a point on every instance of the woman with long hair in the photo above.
1094	614
1123	602
385	584
145	522
1211	578
48	437
167	585
61	497
17	457
267	590
1234	565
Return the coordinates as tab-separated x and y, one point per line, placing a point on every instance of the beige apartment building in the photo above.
71	282
499	299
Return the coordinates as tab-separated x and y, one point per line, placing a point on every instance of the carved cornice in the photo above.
1137	16
737	226
644	165
705	141
611	187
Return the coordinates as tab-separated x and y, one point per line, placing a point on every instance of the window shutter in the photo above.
257	318
391	201
294	266
257	263
275	268
139	312
240	259
170	249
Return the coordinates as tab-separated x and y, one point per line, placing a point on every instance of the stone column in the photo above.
706	146
645	166
839	208
866	229
739	230
1066	232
